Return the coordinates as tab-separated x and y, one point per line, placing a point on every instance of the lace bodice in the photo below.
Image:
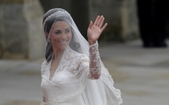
69	79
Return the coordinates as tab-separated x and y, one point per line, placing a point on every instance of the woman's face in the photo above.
61	35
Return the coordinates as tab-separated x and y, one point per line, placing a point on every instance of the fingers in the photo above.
96	20
99	21
90	25
105	25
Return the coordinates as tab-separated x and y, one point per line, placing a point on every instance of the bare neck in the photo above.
57	55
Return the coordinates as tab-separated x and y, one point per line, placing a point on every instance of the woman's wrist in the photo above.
91	42
93	45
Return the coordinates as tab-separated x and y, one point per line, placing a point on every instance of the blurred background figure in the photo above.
152	16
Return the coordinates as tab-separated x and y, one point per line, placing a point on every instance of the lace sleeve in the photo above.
95	65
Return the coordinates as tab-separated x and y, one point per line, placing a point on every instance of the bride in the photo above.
73	73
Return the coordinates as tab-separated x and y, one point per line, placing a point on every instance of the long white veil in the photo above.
97	92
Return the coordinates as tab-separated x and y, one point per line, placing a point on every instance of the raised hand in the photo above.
95	29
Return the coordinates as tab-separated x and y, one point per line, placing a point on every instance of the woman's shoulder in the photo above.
44	64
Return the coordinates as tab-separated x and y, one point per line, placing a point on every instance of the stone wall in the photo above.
48	4
21	35
121	17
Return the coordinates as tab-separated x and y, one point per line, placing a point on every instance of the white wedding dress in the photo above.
72	84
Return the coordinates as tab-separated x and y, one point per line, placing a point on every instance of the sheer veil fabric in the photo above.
96	92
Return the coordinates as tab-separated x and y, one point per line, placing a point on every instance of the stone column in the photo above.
21	34
129	20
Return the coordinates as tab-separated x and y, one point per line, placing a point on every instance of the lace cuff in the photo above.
96	44
95	65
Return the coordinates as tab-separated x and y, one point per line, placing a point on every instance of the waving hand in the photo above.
95	29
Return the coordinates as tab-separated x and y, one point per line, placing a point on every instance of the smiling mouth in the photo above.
63	42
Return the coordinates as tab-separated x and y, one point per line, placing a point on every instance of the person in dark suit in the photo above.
153	16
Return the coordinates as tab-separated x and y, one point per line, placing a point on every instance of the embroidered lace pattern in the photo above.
69	79
95	65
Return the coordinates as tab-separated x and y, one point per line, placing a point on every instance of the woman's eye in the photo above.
68	30
57	32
